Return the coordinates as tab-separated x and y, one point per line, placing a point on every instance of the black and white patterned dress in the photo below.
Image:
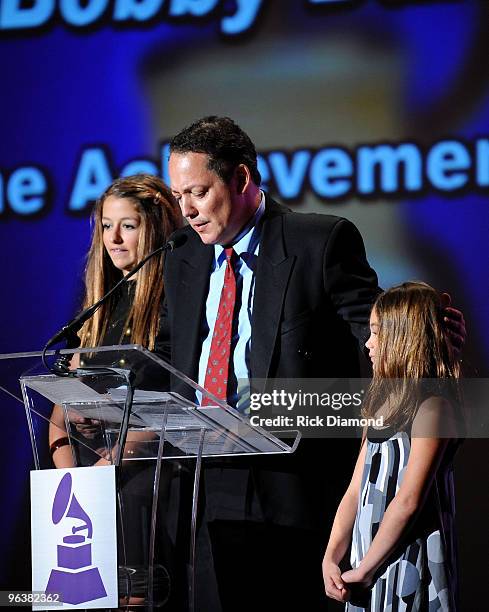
421	574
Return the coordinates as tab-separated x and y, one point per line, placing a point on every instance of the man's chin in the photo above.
207	237
211	240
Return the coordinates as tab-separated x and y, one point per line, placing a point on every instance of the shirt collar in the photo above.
248	237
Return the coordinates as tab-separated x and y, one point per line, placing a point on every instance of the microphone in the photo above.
69	331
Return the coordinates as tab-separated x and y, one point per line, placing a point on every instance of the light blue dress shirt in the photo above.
246	246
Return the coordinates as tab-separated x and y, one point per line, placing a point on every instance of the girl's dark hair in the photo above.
414	357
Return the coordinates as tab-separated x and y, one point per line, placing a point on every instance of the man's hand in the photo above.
454	325
333	584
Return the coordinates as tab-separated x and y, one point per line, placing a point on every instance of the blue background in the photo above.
128	88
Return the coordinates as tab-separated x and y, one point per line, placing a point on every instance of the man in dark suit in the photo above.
304	293
301	292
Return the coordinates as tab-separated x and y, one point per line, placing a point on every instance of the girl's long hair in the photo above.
160	216
414	358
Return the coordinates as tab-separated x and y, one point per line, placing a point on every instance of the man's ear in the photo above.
242	177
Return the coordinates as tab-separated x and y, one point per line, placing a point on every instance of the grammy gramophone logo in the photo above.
75	577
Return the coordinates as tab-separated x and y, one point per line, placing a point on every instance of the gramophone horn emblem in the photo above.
75	578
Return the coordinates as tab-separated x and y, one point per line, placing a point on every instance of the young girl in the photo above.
398	510
134	216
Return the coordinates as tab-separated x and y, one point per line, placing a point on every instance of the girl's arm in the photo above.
339	539
58	436
426	453
59	445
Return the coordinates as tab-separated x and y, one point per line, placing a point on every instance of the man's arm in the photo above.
350	282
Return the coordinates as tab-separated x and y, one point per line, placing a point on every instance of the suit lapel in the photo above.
272	277
193	284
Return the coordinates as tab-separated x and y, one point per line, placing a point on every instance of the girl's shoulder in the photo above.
436	417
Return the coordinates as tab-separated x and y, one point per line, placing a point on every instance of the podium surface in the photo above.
117	409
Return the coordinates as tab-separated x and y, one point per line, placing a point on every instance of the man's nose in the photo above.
188	209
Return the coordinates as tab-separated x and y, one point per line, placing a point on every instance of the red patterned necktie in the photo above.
216	375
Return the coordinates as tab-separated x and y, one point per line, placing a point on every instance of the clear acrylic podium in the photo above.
116	408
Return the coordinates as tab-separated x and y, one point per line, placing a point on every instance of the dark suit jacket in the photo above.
313	294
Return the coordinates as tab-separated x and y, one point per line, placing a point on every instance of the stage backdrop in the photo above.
374	110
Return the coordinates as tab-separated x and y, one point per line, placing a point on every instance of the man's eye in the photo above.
199	194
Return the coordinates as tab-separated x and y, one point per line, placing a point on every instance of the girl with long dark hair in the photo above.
398	511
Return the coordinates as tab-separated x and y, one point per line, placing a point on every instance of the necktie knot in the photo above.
230	254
